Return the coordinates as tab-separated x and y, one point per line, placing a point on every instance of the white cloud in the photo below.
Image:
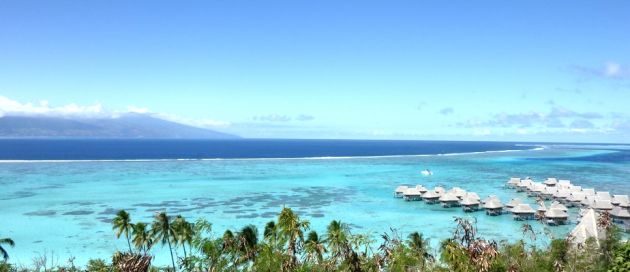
135	109
12	107
203	123
43	108
612	69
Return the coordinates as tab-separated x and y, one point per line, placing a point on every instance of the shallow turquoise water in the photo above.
65	207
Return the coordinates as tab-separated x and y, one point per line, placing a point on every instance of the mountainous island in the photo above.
126	126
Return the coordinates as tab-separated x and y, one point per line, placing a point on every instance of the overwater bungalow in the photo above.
439	190
490	198
618	200
620	215
588	191
513	182
558	205
472	195
562	195
602	205
412	194
458	192
541	210
523	185
523	212
575	199
536	189
449	200
564	184
493	207
547	193
421	188
603	196
589	201
469	204
513	203
550	182
431	197
575	188
556	217
400	190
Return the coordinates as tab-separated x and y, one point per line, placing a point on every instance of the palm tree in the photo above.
291	229
164	232
314	247
122	224
337	239
419	246
5	241
184	232
271	232
248	241
142	237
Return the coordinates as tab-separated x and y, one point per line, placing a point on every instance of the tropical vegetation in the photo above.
289	244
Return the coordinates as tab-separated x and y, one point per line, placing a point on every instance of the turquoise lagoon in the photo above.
64	209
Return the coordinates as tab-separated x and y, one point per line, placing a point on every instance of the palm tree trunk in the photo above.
171	250
128	243
184	247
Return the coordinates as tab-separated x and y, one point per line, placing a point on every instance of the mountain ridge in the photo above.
128	126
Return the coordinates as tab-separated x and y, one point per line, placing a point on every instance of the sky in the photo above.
426	70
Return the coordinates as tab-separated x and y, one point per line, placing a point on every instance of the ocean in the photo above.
58	196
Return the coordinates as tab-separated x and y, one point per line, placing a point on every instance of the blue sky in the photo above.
456	70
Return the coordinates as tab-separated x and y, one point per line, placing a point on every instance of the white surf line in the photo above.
261	159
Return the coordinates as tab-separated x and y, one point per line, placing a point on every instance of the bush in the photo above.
98	265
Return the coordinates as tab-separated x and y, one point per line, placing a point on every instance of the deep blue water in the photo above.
102	149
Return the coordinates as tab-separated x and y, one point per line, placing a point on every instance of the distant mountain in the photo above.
127	126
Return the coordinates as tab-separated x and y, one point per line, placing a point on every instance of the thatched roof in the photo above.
449	197
514	181
576	197
513	202
589	191
564	193
456	191
522	209
493	204
603	195
412	192
564	183
472	195
556	213
401	189
586	229
490	198
469	201
558	205
602	204
431	194
421	188
541	207
620	212
619	199
551	181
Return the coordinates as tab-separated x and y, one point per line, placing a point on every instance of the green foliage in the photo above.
621	260
6	267
98	265
3	252
287	245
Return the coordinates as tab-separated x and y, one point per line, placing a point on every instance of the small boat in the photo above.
427	172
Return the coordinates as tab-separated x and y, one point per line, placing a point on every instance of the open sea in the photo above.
57	197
